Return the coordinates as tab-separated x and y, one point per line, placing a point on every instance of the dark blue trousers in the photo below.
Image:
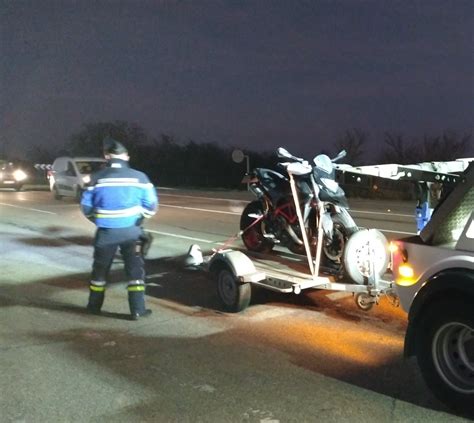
106	243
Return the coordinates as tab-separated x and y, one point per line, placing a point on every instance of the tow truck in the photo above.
434	279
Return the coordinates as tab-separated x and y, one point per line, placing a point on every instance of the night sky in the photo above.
249	74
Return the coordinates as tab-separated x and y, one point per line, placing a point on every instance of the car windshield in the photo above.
86	168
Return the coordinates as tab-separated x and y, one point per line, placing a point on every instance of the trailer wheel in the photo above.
234	296
364	301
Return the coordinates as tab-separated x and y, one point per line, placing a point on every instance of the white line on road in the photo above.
237	214
182	236
383	213
246	201
199	209
27	208
205	198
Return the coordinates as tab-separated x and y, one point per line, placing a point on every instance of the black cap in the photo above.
114	147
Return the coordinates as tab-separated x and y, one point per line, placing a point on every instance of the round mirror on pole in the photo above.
238	156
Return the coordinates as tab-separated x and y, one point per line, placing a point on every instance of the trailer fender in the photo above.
238	263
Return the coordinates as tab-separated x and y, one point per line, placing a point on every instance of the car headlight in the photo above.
19	175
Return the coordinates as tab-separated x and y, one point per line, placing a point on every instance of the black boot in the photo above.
96	299
136	300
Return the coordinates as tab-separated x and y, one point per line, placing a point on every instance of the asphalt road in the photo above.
312	357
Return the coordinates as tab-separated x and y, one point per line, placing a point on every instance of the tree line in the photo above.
169	161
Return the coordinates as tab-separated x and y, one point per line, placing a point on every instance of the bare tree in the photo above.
353	141
41	154
89	140
449	146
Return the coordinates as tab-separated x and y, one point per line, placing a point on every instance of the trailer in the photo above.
366	259
237	272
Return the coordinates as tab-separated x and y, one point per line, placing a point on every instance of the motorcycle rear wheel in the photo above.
253	235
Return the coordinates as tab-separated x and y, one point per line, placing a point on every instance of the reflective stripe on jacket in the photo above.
118	196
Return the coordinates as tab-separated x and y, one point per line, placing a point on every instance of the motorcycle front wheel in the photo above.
333	249
253	232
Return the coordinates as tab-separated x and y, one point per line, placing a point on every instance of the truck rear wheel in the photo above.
445	353
234	295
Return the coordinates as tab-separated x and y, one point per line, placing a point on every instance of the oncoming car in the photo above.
11	176
69	175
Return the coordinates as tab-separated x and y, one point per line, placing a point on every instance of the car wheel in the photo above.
445	352
79	192
57	196
234	296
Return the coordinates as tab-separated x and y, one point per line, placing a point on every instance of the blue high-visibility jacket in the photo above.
118	196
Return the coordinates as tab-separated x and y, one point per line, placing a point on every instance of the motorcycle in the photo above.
272	218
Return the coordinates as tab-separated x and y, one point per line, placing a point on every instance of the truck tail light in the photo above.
406	271
405	275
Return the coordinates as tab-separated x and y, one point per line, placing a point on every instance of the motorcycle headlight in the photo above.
19	175
330	184
86	179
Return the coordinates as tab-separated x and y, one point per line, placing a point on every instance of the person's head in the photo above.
114	149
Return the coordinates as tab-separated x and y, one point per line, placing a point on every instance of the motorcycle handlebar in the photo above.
340	156
285	154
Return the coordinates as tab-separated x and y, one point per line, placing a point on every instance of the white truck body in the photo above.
434	279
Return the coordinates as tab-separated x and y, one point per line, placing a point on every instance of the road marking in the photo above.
27	208
205	198
246	201
199	209
183	237
382	213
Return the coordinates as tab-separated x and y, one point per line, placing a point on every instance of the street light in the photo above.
238	156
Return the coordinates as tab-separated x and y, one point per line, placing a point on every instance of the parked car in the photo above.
69	175
11	175
434	278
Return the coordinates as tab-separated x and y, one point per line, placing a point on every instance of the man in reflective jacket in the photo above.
116	200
